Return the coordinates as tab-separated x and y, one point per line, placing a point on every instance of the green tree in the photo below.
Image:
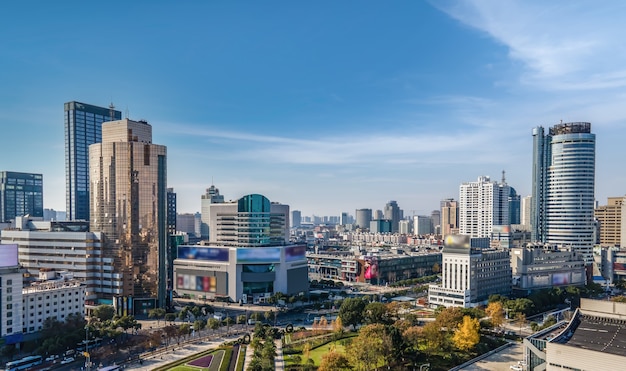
370	348
467	335
157	313
376	312
433	338
334	360
170	317
103	312
351	311
213	324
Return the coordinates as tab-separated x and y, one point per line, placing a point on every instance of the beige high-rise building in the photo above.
610	219
526	205
449	217
128	203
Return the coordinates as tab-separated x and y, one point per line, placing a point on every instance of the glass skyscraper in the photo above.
562	209
20	194
129	205
83	127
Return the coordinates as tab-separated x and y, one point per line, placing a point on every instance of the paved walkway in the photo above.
279	362
500	361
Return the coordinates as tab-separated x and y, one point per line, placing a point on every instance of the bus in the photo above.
24	363
111	368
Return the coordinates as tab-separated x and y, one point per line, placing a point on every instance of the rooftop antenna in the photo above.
112	111
126	112
503	177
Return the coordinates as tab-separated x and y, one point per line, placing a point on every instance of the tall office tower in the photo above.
186	223
83	127
128	175
525	218
514	206
363	218
171	211
197	224
20	194
344	219
404	227
483	204
449	216
422	225
610	219
212	196
296	218
435	216
393	213
563	186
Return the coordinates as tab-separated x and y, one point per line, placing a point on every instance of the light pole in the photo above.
87	360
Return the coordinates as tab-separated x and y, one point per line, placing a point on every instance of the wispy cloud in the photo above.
562	44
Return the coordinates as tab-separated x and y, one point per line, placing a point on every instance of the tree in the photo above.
184	330
371	347
376	313
433	339
103	312
213	324
199	325
521	319
351	311
338	325
157	313
467	335
496	313
170	317
334	361
450	318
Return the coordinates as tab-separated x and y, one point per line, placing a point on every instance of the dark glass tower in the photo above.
20	194
83	127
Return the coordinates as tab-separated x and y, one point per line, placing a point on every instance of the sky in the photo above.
327	106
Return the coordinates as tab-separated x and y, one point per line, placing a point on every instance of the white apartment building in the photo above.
57	298
469	275
482	204
65	246
10	300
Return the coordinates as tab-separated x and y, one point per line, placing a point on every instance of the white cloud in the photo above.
562	44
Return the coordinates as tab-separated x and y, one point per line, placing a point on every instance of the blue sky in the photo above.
327	106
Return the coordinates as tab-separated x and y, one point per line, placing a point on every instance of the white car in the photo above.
516	368
67	360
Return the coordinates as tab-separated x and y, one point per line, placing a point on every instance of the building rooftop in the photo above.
597	333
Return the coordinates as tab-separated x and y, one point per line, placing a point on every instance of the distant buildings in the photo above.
449	217
610	222
422	225
128	175
83	127
393	213
20	194
363	217
470	273
381	226
514	207
482	205
525	218
212	196
563	186
296	218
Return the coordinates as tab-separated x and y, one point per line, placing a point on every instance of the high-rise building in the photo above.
363	218
483	204
128	175
514	206
610	219
393	213
20	194
83	127
296	218
422	225
435	216
171	211
563	187
449	217
186	223
525	218
212	196
344	218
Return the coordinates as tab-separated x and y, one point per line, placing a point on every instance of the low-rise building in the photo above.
538	266
470	274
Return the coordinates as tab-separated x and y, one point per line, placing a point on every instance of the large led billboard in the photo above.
8	255
203	253
258	255
295	253
195	283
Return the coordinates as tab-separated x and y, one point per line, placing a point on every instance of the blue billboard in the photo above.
259	255
203	253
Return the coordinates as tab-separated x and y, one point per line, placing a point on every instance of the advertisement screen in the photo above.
560	279
259	255
203	253
195	283
8	255
294	253
370	268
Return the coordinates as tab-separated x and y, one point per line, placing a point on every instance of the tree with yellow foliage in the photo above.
333	361
496	312
467	335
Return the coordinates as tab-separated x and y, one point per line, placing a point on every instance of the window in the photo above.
9	306
9	290
9	282
9	314
9	330
9	298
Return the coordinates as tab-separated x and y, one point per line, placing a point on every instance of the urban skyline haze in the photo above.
327	107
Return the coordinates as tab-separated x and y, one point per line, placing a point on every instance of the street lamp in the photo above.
87	360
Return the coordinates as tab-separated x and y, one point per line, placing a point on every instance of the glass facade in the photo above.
129	204
83	127
20	194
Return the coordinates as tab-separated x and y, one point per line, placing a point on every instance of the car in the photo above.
516	368
67	360
52	358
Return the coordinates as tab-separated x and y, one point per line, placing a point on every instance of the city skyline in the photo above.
327	108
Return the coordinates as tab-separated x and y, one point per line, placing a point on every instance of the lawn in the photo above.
317	353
